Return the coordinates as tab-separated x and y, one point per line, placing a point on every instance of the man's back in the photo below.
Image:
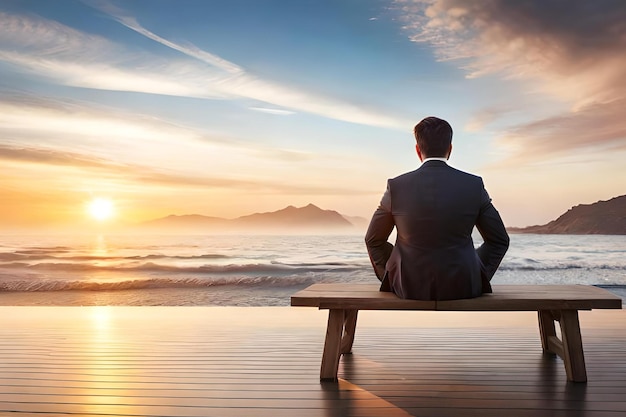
434	210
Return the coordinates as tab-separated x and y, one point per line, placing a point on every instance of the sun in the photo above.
100	208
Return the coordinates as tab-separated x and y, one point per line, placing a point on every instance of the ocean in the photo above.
255	270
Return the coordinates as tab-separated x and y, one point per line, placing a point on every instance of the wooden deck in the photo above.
213	361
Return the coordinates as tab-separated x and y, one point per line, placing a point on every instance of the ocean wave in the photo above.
36	256
189	283
155	267
549	267
154	283
47	248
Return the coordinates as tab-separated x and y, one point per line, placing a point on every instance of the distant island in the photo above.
600	218
309	218
603	217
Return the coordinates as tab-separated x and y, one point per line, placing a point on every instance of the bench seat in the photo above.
553	303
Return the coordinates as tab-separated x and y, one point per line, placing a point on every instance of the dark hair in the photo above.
433	136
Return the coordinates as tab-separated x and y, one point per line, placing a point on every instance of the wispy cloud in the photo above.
572	51
102	145
130	22
123	136
105	169
52	157
484	117
51	50
243	84
64	124
598	127
278	112
54	51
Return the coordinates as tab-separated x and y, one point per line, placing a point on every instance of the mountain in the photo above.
308	216
600	218
290	219
360	222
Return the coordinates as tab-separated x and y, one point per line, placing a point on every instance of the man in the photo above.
434	210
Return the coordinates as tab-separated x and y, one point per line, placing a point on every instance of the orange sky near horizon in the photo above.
62	201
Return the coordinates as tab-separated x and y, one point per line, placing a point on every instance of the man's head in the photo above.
434	138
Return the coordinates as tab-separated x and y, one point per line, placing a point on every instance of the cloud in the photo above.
485	116
69	125
54	51
77	142
51	50
123	136
572	51
102	169
52	157
595	127
242	84
190	50
278	112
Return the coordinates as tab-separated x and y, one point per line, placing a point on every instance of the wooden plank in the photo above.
365	303
537	297
504	298
367	298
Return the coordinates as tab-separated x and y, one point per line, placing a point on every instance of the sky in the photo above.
230	107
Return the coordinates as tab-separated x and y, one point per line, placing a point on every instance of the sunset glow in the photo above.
217	109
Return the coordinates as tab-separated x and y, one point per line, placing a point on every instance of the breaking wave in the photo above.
278	268
34	255
152	283
552	267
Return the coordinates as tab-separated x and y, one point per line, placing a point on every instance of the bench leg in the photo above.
348	332
569	347
332	345
546	329
574	357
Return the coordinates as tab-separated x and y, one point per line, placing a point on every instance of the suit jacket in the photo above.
434	210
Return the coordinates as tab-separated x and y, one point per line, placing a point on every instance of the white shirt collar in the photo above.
435	159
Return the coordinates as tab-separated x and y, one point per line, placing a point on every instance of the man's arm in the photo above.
381	225
496	239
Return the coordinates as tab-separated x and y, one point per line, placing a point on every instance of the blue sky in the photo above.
231	107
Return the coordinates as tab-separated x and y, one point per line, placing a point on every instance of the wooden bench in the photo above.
552	303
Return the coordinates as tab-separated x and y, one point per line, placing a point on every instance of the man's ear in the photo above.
419	152
449	151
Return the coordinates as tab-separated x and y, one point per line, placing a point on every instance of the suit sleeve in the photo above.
381	225
496	239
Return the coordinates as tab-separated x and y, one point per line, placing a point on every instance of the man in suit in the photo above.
434	210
